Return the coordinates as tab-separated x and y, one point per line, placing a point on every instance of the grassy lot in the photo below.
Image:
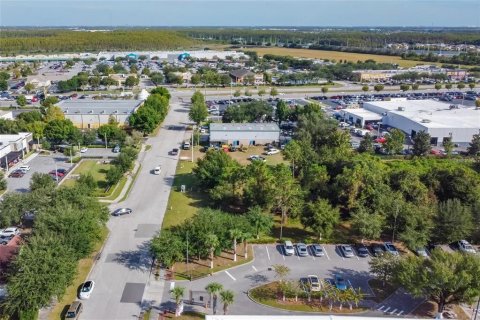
337	55
117	189
98	170
268	294
201	268
242	156
84	267
182	206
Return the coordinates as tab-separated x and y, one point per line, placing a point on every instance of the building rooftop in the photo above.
266	127
240	73
88	106
431	113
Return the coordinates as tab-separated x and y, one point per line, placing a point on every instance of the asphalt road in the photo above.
123	269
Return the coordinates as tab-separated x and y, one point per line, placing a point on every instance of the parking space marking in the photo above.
268	254
356	256
172	286
400	313
298	255
380	309
393	311
386	309
228	274
253	267
326	253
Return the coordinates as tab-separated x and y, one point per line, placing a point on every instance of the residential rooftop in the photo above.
265	127
89	106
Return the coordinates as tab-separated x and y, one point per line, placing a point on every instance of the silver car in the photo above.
347	251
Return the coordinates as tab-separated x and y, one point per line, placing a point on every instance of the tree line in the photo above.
53	41
67	223
152	112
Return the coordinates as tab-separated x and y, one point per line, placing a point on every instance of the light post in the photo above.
105	136
56	171
193	133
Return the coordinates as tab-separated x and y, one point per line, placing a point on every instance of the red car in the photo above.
57	173
16	174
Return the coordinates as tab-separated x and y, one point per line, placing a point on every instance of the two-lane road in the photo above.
122	272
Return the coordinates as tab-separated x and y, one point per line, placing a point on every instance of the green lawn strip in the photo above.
117	189
268	295
131	184
182	206
83	269
381	292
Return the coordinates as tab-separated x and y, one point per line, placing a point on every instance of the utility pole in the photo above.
105	136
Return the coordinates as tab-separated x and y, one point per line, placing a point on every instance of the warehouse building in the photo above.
86	114
360	117
246	134
440	120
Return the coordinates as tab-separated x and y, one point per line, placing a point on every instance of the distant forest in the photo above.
56	40
334	37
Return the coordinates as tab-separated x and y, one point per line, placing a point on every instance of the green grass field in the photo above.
98	171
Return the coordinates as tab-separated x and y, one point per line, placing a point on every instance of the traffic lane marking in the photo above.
253	267
228	274
268	254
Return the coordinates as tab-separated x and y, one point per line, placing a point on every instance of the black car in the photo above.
121	212
362	250
174	152
377	250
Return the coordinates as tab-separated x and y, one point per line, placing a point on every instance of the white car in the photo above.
272	151
24	168
157	170
289	249
83	150
87	289
466	247
314	282
10	231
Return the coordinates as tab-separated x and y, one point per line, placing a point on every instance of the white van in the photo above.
157	170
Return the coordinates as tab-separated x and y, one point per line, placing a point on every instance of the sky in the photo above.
322	13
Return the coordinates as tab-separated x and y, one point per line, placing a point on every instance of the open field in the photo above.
336	55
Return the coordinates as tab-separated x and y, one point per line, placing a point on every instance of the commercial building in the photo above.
440	120
242	76
13	147
237	134
87	114
360	117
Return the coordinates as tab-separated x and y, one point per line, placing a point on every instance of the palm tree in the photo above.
245	237
350	297
212	243
213	288
177	293
281	272
227	299
235	234
357	296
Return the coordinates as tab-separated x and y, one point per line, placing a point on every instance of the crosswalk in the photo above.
390	311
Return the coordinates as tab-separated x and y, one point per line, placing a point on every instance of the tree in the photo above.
3	85
383	267
282	111
235	234
4	75
94	82
366	144
378	87
448	145
144	120
320	217
212	168
197	97
446	278
53	113
367	225
87	181
421	143
227	299
471	85
261	92
273	92
177	293
168	248
133	69
213	288
58	130
365	88
438	86
404	87
477	103
415	86
474	146
461	86
324	89
131	81
198	112
260	221
293	152
394	143
281	273
211	242
41	181
196	79
21	100
29	87
113	175
454	221
237	93
157	78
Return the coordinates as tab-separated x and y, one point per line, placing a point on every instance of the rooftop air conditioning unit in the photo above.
401	108
426	120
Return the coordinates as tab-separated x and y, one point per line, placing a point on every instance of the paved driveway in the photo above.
42	164
122	272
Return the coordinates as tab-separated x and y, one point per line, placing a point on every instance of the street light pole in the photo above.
56	172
